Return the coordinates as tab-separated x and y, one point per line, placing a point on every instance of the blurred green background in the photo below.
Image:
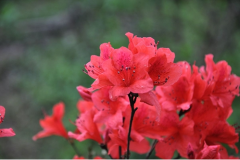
44	45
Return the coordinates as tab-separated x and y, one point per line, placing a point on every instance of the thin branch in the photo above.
74	147
90	156
120	152
132	98
152	148
104	146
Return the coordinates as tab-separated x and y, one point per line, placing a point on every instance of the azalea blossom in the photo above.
126	73
88	129
52	125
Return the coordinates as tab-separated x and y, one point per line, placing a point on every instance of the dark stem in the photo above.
152	148
120	152
104	146
74	147
90	156
132	98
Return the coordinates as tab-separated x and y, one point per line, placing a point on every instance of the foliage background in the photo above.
45	44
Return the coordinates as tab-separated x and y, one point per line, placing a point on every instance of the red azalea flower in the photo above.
161	68
126	73
168	124
222	86
118	137
94	67
178	140
7	132
142	45
207	152
52	125
221	132
144	122
88	129
179	95
211	125
109	111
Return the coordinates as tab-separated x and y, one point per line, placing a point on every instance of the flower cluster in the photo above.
139	94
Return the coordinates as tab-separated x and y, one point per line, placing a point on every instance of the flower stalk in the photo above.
71	142
152	148
132	98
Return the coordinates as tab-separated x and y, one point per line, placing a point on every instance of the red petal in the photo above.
112	120
163	73
84	106
106	51
199	87
2	114
131	45
42	134
135	146
58	110
88	129
80	137
164	150
169	54
94	67
209	152
142	85
151	99
100	82
7	132
84	93
117	91
122	58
